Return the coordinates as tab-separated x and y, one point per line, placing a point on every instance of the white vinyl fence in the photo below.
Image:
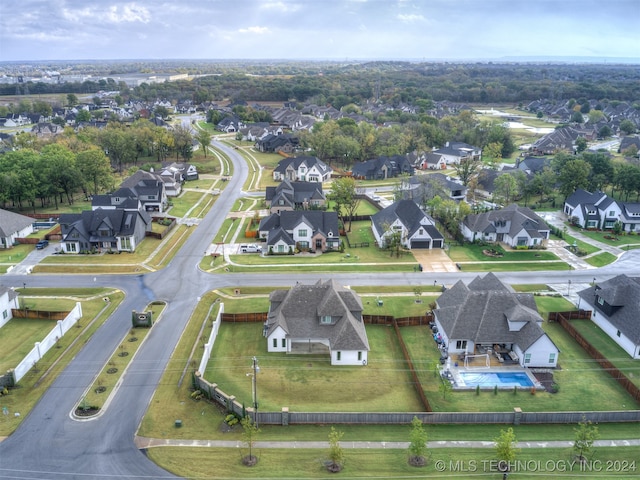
40	348
212	338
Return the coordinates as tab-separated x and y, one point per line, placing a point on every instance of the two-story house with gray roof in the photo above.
320	318
290	195
302	169
417	229
512	225
599	211
615	306
486	314
304	230
455	152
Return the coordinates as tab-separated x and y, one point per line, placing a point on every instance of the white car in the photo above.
250	248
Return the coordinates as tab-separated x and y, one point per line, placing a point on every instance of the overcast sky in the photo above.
317	29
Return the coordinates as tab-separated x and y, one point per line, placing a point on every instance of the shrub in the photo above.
231	419
495	389
197	395
477	389
555	388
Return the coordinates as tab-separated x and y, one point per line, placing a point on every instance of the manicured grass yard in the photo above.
474	253
310	383
184	202
601	259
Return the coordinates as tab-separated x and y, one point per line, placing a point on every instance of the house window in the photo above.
284	343
302	232
104	233
5	314
421	231
527	358
618	333
522	241
552	357
359	356
612	213
338	355
71	247
281	202
325	319
600	301
461	344
275	343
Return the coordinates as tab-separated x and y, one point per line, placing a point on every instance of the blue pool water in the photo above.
501	379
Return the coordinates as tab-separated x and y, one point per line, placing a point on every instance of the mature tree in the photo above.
336	452
506	188
601	170
119	144
605	131
346	195
95	171
183	141
466	169
595	116
83	116
60	165
417	443
493	153
161	111
249	433
18	182
581	144
72	99
544	182
204	139
627	127
505	448
576	117
585	435
574	175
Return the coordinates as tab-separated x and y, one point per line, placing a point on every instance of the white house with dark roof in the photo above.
455	152
302	169
418	230
320	318
615	304
307	230
13	226
599	211
513	225
8	301
486	314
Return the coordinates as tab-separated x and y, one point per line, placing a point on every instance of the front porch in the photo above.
499	356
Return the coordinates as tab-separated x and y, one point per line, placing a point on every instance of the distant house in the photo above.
561	139
230	124
599	211
305	230
8	301
485	314
382	167
13	226
455	152
285	143
314	319
302	169
417	229
513	225
533	165
421	188
615	304
148	187
290	195
119	229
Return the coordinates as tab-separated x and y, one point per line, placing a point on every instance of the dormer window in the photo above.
325	319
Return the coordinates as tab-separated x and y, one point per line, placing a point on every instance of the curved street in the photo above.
49	444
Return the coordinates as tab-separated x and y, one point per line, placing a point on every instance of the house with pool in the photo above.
487	320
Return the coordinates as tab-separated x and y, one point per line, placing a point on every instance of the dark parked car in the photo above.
42	244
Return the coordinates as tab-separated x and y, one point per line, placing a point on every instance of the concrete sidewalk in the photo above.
144	442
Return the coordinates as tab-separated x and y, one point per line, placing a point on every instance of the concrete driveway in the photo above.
435	260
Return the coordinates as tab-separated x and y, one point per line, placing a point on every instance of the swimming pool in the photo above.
501	379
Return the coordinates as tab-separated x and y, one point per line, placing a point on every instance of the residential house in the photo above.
314	319
284	143
8	302
532	165
230	124
486	316
13	226
119	229
46	129
302	169
303	230
599	211
417	229
615	304
148	187
512	225
290	195
560	139
382	167
421	188
455	152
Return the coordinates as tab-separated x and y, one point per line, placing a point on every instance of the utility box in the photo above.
141	319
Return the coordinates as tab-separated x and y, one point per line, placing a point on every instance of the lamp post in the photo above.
254	389
569	289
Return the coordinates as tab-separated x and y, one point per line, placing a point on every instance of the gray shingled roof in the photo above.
407	212
11	222
484	310
623	293
519	218
299	309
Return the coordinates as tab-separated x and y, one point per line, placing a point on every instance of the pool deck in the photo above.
458	383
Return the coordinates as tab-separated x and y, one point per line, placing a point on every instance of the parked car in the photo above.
250	248
42	244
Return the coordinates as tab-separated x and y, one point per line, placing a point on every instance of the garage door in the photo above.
437	244
420	243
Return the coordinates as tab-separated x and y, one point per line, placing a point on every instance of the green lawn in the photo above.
599	236
309	382
183	203
601	259
610	349
472	252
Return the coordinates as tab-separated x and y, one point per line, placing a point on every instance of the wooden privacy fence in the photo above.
39	314
367	319
563	319
253	317
414	376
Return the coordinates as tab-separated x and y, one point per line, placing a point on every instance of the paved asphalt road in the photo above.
50	445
